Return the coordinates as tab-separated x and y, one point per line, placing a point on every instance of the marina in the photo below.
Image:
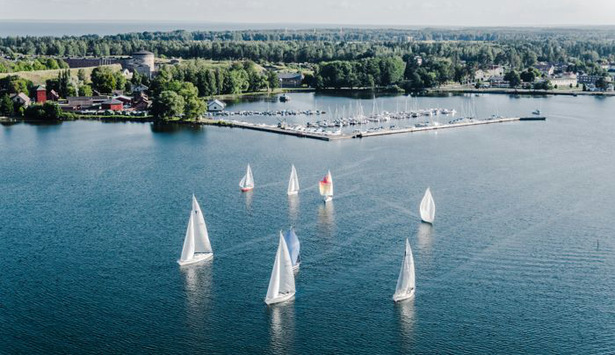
338	135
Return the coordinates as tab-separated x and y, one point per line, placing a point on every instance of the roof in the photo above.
290	75
22	96
112	102
216	102
143	52
40	87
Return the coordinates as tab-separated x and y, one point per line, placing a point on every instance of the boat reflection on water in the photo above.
326	219
248	196
424	236
293	208
406	315
198	283
282	327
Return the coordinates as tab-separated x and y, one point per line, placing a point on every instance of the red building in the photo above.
41	94
113	105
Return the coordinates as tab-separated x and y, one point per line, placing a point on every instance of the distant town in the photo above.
183	75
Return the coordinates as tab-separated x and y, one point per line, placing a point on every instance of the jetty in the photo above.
469	123
332	136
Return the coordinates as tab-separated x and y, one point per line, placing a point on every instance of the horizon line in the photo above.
323	25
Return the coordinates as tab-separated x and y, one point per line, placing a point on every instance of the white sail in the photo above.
293	183
196	243
294	247
428	207
201	237
282	281
406	281
247	182
188	248
326	186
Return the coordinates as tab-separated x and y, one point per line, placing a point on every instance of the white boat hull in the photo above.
279	299
292	193
196	259
402	297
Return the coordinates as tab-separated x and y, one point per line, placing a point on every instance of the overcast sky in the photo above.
368	12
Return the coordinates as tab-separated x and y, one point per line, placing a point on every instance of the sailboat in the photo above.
406	282
196	244
282	281
326	187
428	208
247	182
292	242
293	183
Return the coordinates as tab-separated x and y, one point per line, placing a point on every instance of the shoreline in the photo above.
529	92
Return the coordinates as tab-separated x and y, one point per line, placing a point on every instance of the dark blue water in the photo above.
520	258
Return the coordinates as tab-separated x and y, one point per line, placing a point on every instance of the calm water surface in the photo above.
520	258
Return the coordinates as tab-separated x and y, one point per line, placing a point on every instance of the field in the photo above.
38	77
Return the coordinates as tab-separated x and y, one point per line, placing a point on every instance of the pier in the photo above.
328	136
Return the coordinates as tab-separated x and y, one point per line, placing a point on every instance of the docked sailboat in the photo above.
282	281
292	242
196	243
326	187
406	282
428	208
247	182
293	183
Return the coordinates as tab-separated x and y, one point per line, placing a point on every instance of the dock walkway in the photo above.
382	132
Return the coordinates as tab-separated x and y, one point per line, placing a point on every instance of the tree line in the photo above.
517	48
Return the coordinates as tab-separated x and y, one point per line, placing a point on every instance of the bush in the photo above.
50	111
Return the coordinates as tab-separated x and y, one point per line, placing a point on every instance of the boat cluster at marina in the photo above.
197	246
385	116
267	113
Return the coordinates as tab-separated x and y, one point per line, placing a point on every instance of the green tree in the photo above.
103	79
513	78
167	105
602	83
81	75
85	90
6	106
272	80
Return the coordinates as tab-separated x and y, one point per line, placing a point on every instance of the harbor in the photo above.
338	135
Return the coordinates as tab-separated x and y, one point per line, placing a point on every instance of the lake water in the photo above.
520	258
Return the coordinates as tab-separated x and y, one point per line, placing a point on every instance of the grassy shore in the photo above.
39	77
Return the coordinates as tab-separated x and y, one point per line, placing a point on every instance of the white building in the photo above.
484	74
215	106
566	80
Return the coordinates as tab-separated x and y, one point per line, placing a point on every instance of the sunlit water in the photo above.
520	258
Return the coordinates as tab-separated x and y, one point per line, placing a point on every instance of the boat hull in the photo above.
402	297
292	193
196	259
328	198
279	299
246	189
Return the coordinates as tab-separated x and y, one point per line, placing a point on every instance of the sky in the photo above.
339	12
